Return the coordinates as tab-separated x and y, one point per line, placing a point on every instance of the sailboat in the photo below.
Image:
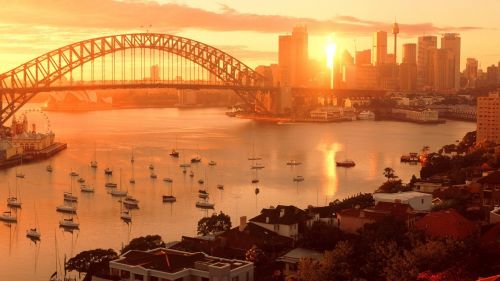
196	158
49	168
34	233
346	162
132	160
68	196
66	207
69	223
119	192
293	162
212	163
86	188
20	174
7	216
14	201
125	215
130	202
298	179
174	153
253	157
220	186
169	198
203	194
93	163
55	276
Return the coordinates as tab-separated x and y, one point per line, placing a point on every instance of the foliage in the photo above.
393	187
362	200
256	255
144	243
214	223
91	261
336	265
390	174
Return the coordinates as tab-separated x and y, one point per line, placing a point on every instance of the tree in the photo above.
335	265
91	261
215	223
321	237
255	255
389	173
144	243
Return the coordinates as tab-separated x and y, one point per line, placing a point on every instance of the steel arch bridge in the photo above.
41	74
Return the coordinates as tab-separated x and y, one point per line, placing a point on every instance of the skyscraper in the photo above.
379	50
293	58
488	118
451	42
363	57
443	62
471	72
425	76
408	68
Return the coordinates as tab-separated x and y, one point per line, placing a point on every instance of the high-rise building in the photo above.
444	70
492	75
293	58
410	53
451	42
379	49
364	57
488	118
408	68
470	72
425	76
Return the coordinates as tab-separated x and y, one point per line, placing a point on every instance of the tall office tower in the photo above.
492	75
410	53
471	72
443	62
488	118
293	58
364	57
408	68
379	49
285	60
426	44
451	42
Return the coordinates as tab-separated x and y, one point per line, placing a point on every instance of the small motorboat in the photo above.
346	163
205	205
298	179
169	198
196	159
220	186
8	217
86	188
111	185
33	233
69	223
255	181
174	153
153	175
132	181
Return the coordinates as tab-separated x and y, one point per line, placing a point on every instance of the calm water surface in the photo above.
207	132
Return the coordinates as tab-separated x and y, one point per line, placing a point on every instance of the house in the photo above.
490	189
427	186
288	221
447	223
420	202
351	220
293	257
166	264
325	214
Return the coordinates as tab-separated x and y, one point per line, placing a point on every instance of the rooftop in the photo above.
281	215
295	255
399	195
446	223
171	261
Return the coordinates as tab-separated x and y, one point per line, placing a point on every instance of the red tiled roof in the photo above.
446	223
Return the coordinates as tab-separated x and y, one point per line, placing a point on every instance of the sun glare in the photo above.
331	48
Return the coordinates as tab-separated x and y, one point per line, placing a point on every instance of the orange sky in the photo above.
246	29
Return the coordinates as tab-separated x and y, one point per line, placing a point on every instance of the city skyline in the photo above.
248	32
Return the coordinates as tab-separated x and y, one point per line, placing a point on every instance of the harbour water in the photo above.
152	133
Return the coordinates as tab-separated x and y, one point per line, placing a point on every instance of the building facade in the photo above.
424	68
488	118
379	49
451	42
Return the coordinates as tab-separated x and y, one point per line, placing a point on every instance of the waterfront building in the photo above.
470	73
488	118
287	221
167	264
416	115
293	57
379	48
424	67
451	42
29	141
417	200
8	150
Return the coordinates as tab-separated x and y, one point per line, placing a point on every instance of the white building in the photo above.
417	200
283	220
171	265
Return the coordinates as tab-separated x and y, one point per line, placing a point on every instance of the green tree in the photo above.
214	223
144	243
91	262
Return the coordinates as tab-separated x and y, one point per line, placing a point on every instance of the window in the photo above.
422	200
138	277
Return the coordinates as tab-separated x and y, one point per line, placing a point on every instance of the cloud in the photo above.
173	16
